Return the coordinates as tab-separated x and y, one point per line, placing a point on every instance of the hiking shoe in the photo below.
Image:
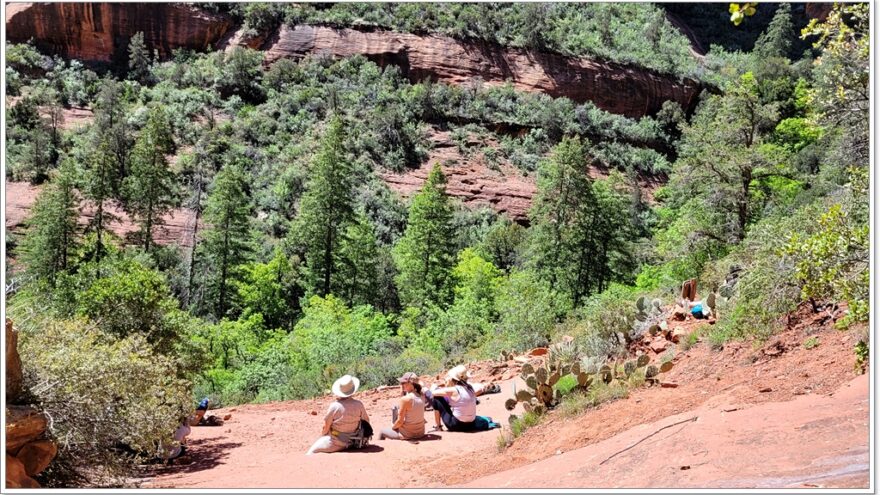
493	389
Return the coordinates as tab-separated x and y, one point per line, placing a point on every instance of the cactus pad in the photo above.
509	404
541	375
545	394
528	369
651	371
643	360
629	367
665	366
576	369
553	379
524	396
532	382
640	304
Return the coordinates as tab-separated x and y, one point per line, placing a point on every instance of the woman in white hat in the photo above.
343	417
455	404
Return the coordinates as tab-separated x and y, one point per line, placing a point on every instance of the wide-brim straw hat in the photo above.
459	373
346	386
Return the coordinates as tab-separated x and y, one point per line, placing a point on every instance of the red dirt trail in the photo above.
772	416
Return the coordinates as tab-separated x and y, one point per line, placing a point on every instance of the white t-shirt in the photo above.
465	408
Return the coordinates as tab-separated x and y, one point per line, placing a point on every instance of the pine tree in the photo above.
197	173
151	190
359	252
138	58
97	187
776	41
47	247
325	212
227	243
111	124
579	228
426	253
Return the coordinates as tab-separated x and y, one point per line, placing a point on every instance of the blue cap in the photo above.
203	404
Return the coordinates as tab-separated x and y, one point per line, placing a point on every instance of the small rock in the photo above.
273	419
36	456
765	389
558	452
659	345
227	417
538	351
668	385
23	424
679	313
685	468
229	430
16	477
677	334
313	412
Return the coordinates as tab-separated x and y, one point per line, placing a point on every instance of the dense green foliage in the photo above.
303	265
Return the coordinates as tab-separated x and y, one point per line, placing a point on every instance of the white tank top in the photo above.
465	408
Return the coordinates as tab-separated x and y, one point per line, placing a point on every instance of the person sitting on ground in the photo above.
455	404
178	448
410	423
343	418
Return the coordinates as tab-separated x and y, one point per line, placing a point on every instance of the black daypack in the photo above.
361	438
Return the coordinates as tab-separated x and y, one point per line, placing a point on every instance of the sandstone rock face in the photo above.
36	456
617	88
16	476
98	32
23	424
13	365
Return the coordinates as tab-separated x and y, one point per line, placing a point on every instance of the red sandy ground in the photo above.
795	418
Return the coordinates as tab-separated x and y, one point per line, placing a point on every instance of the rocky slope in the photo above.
100	32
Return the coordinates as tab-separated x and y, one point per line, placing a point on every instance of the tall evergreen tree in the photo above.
426	252
579	228
111	124
227	243
138	58
325	212
47	247
151	189
776	40
198	170
359	251
97	188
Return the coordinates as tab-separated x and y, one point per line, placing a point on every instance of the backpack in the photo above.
361	438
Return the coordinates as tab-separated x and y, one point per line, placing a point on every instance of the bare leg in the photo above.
390	434
325	444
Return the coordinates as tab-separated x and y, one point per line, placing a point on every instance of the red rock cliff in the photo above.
97	32
101	31
613	87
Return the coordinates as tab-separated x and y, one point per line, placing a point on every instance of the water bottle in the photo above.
394	414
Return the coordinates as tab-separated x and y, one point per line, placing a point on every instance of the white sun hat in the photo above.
346	386
459	373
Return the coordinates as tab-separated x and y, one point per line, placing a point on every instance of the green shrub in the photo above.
101	391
